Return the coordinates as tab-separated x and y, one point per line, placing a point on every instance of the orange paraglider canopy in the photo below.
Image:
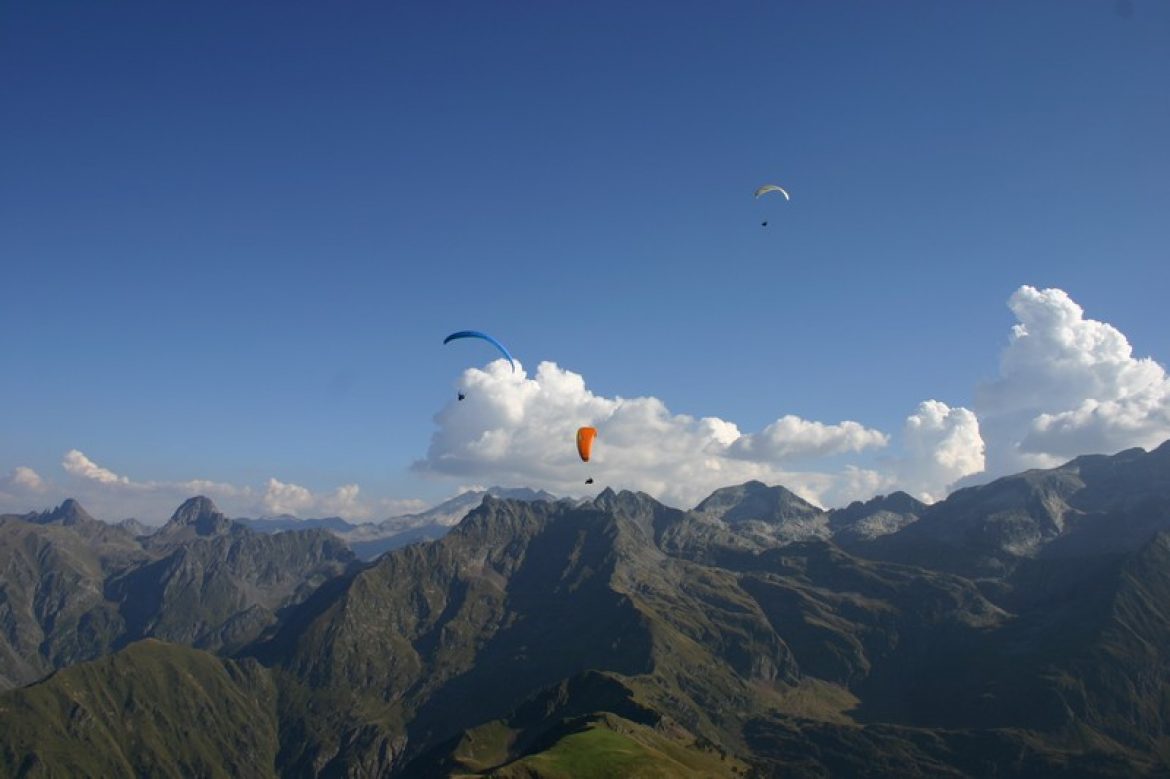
585	436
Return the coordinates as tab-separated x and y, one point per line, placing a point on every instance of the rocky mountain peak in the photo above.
900	502
498	518
69	513
879	516
135	528
895	503
520	493
641	510
200	515
605	496
609	500
754	500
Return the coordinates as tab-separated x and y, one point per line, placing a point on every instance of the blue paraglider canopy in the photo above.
484	336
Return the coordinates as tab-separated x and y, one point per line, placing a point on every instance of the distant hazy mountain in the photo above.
370	540
135	528
450	512
284	522
1023	630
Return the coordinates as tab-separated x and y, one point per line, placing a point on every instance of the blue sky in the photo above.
234	236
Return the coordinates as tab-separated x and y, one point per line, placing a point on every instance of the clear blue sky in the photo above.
234	235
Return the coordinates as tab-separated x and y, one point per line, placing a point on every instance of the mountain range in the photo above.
1019	628
75	588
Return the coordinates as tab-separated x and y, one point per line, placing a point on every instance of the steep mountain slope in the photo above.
135	528
519	597
152	709
74	588
1078	687
1089	506
541	720
1118	681
53	609
215	584
803	748
521	608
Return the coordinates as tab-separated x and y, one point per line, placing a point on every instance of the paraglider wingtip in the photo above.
485	337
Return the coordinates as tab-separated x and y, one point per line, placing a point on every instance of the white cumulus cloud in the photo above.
1068	386
77	464
283	498
25	478
212	489
791	437
20	486
940	445
512	429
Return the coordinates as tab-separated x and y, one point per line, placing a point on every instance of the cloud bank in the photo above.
515	429
112	496
1066	385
